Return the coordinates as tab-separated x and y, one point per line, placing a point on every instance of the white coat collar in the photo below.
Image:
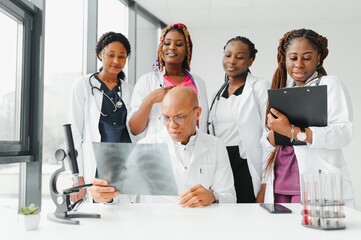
199	148
291	83
192	140
250	80
248	88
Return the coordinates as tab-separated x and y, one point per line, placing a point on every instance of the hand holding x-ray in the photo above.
140	169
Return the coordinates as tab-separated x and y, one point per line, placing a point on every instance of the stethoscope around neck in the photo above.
219	93
117	105
216	97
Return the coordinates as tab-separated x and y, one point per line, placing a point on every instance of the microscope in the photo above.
65	210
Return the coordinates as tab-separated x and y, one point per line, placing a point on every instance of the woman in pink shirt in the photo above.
172	69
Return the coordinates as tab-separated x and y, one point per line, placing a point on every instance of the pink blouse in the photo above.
187	83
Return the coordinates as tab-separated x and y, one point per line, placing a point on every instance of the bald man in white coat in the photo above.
200	161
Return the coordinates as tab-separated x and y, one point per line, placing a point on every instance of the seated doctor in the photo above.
200	161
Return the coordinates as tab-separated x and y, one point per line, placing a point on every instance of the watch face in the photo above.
301	136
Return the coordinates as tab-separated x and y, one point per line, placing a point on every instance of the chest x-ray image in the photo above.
139	169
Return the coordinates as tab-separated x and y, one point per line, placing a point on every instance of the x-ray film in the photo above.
143	169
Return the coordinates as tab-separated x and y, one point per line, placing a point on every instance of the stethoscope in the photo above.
217	97
219	93
117	105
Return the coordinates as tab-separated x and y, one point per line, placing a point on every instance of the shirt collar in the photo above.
192	140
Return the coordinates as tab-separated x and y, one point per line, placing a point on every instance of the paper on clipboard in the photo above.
303	106
139	169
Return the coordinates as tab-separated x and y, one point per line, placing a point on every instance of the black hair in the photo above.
252	48
110	37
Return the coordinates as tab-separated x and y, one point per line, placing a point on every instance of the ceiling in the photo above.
228	13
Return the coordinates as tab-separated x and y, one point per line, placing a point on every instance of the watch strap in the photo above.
216	199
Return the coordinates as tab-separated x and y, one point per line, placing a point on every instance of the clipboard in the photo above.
303	106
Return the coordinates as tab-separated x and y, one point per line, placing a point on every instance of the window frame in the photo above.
28	151
16	151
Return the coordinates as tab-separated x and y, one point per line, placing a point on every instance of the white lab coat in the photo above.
325	152
209	167
84	120
250	120
153	80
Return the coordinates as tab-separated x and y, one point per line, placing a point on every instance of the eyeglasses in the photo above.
179	120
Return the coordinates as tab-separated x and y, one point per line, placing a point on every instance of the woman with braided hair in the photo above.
301	54
237	116
172	69
100	103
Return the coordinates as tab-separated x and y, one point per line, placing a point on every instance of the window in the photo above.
9	97
146	50
20	99
14	81
112	16
63	64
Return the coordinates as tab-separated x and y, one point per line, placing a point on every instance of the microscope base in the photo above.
66	218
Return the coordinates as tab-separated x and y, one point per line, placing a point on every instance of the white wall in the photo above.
344	61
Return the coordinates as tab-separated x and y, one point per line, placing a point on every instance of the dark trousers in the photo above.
242	177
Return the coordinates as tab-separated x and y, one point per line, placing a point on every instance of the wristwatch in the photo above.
216	199
301	135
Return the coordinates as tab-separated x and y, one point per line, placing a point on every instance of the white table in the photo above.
170	221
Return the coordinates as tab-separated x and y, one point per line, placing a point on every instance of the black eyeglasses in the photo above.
179	120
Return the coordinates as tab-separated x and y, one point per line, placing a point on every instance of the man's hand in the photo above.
101	191
196	196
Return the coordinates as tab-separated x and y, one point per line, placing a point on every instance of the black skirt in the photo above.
242	177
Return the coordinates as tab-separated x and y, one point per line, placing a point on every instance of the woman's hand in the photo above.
261	194
157	95
139	121
278	122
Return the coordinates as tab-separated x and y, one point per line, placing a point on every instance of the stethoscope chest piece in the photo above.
119	104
